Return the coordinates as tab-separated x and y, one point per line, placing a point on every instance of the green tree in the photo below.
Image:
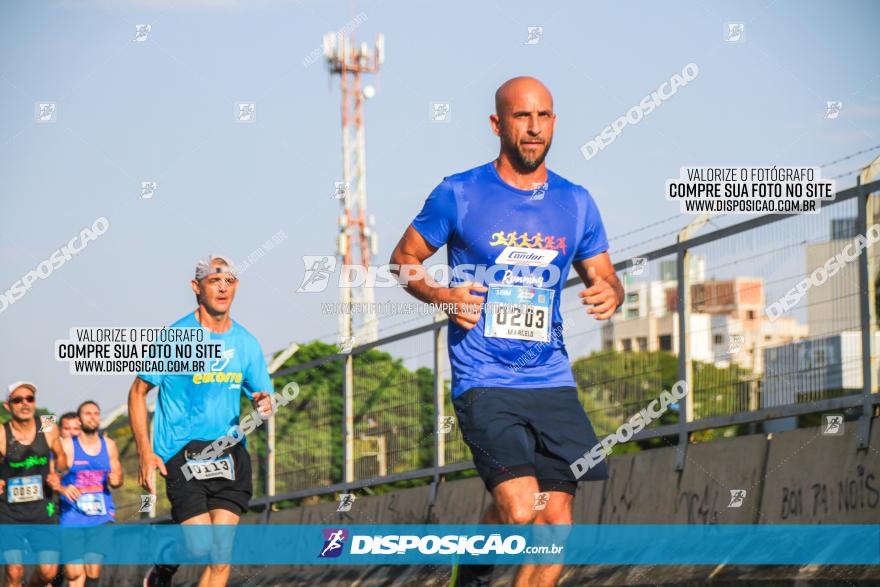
614	386
393	414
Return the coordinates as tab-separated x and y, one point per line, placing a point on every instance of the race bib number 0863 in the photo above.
25	489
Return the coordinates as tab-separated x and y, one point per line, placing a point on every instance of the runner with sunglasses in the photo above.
30	458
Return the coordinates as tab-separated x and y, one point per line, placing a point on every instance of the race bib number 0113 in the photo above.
519	312
221	468
25	489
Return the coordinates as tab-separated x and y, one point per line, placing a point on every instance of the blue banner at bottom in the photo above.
654	544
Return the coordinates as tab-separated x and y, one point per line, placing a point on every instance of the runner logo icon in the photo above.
334	540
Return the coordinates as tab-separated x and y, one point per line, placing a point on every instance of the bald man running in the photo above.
512	385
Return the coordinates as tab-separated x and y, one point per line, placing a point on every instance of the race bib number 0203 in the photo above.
221	468
519	312
24	489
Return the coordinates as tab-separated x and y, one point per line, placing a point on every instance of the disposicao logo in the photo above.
334	540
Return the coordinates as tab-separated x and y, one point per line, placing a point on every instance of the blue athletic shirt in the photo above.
89	474
204	406
478	216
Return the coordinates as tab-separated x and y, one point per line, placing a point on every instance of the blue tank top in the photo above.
88	473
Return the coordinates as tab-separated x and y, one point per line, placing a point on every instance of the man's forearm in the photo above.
423	291
115	480
61	464
417	283
137	410
618	288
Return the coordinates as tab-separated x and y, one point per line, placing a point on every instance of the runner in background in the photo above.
69	425
194	410
30	457
85	492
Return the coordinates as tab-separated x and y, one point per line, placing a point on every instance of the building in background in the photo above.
834	306
813	369
726	323
829	364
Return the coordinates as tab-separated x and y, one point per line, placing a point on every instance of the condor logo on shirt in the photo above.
523	256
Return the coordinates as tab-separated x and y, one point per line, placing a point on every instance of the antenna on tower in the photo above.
357	240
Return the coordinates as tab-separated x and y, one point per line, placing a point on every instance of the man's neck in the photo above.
24	427
520	178
218	323
88	438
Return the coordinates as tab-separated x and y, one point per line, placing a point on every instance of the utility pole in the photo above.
349	60
356	231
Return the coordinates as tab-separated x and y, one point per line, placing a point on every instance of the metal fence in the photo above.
694	311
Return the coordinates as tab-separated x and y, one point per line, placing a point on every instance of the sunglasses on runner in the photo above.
22	398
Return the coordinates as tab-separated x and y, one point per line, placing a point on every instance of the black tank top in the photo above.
27	497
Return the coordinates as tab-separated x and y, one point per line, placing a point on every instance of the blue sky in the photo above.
162	110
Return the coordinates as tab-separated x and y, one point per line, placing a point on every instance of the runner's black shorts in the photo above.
527	432
79	542
192	497
37	535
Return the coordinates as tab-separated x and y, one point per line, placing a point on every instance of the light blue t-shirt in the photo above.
198	407
481	218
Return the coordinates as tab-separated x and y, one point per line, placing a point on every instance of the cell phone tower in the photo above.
349	60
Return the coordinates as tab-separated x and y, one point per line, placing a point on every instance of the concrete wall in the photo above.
798	476
816	479
644	487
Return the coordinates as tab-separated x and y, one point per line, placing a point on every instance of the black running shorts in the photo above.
527	432
192	497
40	537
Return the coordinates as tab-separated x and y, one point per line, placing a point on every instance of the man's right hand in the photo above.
149	462
71	492
467	307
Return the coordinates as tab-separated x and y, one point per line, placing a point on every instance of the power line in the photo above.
854	171
677	216
868	150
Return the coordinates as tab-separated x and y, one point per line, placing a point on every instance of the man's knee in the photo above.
198	549
47	572
514	500
199	540
220	570
557	509
15	572
516	513
73	572
555	515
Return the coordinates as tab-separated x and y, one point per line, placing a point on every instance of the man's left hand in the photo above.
262	403
601	295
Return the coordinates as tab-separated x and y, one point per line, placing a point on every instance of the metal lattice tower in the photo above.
355	226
